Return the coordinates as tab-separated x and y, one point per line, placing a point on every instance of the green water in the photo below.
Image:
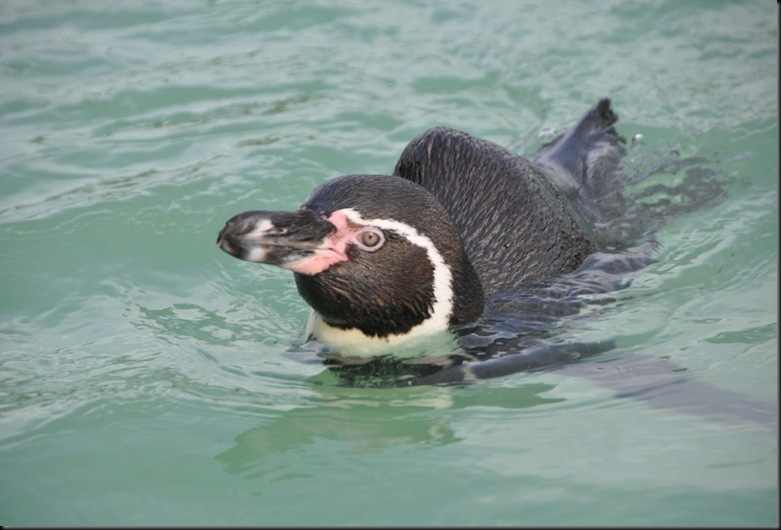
141	377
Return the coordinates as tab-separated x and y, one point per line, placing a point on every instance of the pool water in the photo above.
143	376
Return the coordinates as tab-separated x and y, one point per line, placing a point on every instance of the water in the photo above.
143	380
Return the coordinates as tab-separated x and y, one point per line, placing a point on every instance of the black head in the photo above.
377	258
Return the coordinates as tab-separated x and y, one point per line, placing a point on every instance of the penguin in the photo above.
435	248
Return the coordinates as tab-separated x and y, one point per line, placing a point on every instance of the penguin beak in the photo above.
299	241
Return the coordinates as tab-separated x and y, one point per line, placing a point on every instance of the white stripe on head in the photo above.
443	279
353	341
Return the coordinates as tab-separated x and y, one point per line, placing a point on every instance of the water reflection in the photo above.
366	420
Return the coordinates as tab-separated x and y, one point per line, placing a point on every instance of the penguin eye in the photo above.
369	239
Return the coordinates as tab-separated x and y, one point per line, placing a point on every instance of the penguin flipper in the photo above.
583	158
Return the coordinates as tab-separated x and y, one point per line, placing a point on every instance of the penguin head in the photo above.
377	258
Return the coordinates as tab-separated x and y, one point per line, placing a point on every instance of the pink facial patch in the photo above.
332	251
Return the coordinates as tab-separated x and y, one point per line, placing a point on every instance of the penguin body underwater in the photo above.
386	261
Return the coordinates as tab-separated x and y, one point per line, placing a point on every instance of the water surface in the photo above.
142	377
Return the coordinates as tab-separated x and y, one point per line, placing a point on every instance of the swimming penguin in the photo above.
441	245
385	260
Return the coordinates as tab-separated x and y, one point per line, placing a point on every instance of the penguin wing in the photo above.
515	225
584	163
